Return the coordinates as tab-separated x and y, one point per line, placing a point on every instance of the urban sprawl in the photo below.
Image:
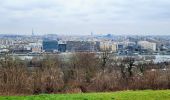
117	45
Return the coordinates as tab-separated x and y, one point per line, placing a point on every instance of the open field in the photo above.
124	95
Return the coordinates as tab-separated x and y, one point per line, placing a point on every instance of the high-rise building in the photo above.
80	46
108	45
33	32
62	46
50	45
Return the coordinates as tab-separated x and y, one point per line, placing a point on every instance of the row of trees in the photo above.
83	72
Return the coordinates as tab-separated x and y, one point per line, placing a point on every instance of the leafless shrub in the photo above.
84	72
13	77
49	77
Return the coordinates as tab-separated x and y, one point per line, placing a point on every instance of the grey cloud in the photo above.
101	16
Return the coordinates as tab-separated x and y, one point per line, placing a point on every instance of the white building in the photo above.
108	45
147	45
4	50
35	46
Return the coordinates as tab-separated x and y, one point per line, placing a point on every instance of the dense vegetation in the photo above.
126	95
83	72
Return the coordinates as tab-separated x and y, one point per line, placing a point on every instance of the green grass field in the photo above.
126	95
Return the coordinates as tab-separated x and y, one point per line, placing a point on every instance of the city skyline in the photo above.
85	16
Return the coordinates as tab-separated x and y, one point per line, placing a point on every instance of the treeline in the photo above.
83	72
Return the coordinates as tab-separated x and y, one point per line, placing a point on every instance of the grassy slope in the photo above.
127	95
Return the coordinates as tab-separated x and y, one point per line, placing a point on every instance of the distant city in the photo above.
26	47
116	44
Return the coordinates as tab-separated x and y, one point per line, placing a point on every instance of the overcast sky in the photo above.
85	16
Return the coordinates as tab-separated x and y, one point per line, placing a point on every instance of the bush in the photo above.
82	73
